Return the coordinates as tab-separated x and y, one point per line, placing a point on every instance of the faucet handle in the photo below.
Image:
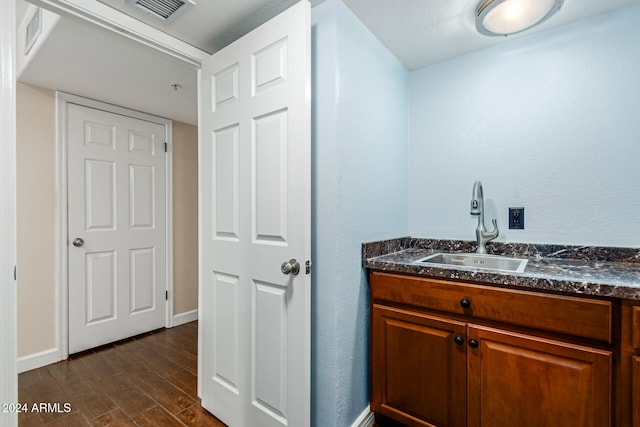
490	235
495	227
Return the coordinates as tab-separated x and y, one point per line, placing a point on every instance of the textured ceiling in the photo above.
86	60
210	25
422	32
418	32
90	61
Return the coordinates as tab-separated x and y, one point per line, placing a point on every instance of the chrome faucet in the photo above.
477	208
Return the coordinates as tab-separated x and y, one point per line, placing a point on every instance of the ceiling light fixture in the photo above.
505	17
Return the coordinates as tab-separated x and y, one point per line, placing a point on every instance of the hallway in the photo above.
149	380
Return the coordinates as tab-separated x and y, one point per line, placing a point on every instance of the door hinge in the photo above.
307	267
166	147
166	295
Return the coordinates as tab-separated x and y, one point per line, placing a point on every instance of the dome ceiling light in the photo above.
505	17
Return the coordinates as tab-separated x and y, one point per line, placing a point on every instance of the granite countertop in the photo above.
587	270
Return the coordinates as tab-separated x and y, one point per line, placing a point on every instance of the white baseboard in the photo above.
366	419
186	317
37	360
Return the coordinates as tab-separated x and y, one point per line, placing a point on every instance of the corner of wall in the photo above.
359	154
552	123
323	215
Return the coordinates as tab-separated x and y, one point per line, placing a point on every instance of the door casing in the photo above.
8	291
62	285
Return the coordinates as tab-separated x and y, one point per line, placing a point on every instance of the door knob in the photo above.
290	267
78	242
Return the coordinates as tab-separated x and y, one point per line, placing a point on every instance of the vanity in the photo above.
557	344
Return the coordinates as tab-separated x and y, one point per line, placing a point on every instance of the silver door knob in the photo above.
78	242
290	267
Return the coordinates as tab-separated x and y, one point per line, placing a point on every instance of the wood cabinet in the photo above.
628	369
455	354
635	390
420	373
526	381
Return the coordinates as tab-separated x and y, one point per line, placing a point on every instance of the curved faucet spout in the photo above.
477	208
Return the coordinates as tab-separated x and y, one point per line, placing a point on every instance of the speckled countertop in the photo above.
598	271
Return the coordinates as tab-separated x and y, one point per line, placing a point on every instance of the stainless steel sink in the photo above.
473	261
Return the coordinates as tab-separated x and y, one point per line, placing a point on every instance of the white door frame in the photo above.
8	304
62	285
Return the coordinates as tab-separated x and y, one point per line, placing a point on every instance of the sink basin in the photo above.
485	262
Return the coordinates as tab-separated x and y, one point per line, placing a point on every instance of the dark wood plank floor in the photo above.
149	380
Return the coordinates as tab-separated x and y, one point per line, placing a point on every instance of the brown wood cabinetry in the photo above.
635	326
628	372
635	390
526	381
421	373
455	354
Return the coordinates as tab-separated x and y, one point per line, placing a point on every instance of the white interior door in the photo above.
116	226
255	215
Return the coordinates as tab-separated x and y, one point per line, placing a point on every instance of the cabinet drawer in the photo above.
589	318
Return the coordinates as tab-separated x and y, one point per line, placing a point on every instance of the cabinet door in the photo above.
418	369
524	381
635	390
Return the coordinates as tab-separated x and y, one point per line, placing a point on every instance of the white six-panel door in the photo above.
255	215
116	226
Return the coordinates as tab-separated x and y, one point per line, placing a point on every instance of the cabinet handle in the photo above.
473	343
458	339
465	303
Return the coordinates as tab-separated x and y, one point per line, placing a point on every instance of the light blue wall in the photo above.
550	122
359	134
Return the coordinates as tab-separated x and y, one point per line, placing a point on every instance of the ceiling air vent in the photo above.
33	30
163	9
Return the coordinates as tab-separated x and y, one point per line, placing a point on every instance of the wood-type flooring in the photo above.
148	380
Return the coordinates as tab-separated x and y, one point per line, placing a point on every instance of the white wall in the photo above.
36	220
185	219
550	122
359	134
